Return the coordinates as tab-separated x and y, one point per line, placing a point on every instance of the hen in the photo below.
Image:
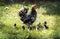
28	18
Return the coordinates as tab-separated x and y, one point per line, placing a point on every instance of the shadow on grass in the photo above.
25	3
52	8
2	25
56	38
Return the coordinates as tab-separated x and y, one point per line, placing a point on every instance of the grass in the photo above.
47	11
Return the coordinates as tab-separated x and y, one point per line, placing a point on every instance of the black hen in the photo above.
31	17
28	19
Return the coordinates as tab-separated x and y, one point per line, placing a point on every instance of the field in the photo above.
46	11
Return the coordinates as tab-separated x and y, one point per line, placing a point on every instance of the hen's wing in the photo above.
31	17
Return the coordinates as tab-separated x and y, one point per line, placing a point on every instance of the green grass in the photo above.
8	17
